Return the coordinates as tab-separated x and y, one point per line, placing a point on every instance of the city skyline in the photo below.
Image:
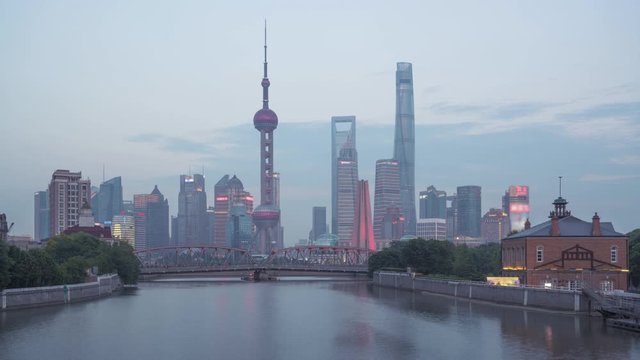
513	100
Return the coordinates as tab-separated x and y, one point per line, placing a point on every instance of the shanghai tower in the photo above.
267	215
404	144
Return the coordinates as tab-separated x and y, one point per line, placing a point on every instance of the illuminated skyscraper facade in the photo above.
123	228
386	196
266	217
362	236
404	143
343	144
346	194
192	219
228	192
515	203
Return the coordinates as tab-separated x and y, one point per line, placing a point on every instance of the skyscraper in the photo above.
404	143
362	237
108	201
452	216
319	222
192	211
239	229
67	193
469	211
346	194
515	203
433	203
386	196
343	137
228	192
266	217
41	215
495	225
123	228
151	220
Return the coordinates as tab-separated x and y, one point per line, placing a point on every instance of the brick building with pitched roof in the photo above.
566	252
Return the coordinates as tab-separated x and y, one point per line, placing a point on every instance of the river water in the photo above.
301	319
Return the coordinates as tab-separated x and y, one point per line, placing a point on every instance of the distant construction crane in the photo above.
4	228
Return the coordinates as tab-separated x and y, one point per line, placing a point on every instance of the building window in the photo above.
614	254
540	254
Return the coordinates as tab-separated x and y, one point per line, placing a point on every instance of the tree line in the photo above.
634	257
440	258
65	260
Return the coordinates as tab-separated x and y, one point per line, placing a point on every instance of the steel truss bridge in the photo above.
177	260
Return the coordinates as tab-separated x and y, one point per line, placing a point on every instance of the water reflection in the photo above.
540	334
301	320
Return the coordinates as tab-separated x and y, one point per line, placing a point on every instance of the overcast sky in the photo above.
506	92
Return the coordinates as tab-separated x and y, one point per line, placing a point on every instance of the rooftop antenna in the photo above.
560	181
103	172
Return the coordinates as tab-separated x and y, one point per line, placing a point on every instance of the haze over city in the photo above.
505	93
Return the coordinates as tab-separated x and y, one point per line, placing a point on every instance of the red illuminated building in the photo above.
362	236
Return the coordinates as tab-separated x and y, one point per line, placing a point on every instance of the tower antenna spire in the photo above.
265	78
560	181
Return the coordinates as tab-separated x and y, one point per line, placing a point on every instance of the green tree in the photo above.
64	247
463	265
125	262
4	264
634	257
74	270
388	258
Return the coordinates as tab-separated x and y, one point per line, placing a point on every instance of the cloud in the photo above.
607	178
626	160
179	144
617	123
625	110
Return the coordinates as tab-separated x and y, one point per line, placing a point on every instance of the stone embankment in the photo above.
60	294
552	299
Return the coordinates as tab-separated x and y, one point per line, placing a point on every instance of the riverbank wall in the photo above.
551	299
60	294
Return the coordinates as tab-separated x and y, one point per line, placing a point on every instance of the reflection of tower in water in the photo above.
266	216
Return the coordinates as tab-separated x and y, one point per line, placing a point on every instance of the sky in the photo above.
505	93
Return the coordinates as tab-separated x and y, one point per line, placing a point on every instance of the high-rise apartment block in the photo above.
387	196
108	200
41	215
344	159
404	143
495	225
515	203
67	193
469	211
362	237
151	220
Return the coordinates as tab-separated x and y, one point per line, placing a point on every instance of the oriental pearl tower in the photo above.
267	215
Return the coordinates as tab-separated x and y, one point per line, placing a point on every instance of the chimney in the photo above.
555	226
595	226
527	224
